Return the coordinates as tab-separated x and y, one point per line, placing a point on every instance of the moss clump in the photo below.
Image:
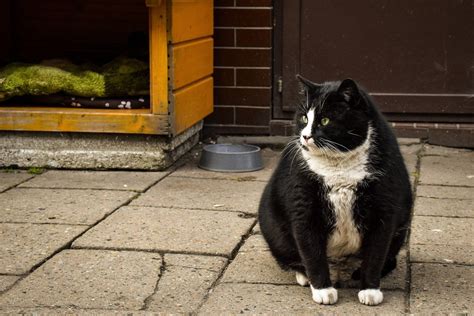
121	77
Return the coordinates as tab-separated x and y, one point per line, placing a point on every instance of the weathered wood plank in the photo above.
192	103
158	59
56	119
191	19
192	61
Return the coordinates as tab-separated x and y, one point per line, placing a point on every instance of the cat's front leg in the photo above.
375	249
312	250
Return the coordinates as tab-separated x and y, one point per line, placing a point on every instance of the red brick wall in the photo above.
243	67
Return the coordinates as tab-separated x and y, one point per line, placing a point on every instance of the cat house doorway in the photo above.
173	38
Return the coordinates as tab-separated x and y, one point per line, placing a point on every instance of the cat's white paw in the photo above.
371	297
326	296
301	279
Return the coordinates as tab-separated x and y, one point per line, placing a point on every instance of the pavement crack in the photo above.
148	299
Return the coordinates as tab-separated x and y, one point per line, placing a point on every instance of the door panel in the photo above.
414	56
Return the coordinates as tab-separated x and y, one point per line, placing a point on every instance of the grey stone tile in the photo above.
232	298
257	267
270	161
23	246
444	151
88	279
256	229
410	149
44	311
444	207
211	263
209	194
6	281
441	239
184	283
437	289
442	253
174	230
408	141
59	206
254	243
443	192
110	180
9	179
453	170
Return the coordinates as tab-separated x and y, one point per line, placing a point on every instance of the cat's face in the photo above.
333	117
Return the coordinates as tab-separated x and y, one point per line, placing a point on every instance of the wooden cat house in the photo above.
180	60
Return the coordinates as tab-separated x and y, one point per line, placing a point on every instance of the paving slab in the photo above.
22	246
169	230
109	180
439	289
254	243
442	240
191	169
445	192
9	179
184	283
430	150
258	299
44	311
208	194
454	170
258	266
6	281
88	279
444	207
59	206
408	141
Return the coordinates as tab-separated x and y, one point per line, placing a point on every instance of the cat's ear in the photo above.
307	85
350	91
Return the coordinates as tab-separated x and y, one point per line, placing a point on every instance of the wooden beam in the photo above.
158	59
54	119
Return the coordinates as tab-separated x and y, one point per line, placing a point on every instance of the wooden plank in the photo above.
158	59
191	19
192	61
53	119
192	103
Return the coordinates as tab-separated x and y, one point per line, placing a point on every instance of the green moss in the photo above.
120	77
35	170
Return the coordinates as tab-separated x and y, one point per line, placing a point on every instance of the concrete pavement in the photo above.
186	241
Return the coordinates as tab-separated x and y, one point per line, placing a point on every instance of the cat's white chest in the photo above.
341	180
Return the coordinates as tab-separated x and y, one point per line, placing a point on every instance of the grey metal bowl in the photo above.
231	158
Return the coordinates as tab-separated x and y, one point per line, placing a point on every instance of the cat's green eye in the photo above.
324	121
304	119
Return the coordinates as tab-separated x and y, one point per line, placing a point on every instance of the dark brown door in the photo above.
414	56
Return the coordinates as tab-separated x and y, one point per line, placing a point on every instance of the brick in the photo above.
22	246
441	289
251	299
243	17
242	57
88	279
12	178
221	115
224	77
190	193
254	77
224	37
252	116
254	38
57	206
242	96
256	3
168	230
110	180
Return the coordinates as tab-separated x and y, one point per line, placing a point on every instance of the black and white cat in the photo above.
341	188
